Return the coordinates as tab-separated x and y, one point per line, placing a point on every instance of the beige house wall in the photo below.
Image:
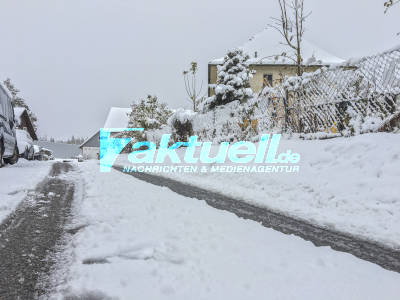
278	72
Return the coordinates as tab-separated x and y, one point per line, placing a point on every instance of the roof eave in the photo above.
88	139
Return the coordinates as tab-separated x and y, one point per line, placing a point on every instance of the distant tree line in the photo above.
72	140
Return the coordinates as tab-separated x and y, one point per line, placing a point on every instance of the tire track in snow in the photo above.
371	251
29	236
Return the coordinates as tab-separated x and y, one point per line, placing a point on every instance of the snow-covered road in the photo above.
146	242
31	236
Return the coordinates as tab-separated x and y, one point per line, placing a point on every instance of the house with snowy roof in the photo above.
118	117
265	49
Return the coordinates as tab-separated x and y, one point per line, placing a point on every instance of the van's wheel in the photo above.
1	154
14	158
26	153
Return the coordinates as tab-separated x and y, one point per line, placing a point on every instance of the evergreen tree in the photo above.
18	101
149	113
233	81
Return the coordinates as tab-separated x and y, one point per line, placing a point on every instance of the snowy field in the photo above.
146	242
349	184
17	180
60	150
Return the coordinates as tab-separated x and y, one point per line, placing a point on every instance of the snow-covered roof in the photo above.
88	139
268	44
118	117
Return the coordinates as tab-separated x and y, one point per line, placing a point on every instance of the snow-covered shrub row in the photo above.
341	100
234	121
237	121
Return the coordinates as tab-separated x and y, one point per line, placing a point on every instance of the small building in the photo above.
24	122
118	117
270	68
90	149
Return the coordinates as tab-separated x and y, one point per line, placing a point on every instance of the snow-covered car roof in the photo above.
36	148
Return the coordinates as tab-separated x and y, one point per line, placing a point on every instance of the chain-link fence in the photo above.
359	96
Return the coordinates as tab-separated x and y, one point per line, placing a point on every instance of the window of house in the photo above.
267	80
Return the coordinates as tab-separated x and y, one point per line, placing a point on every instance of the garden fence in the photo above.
359	95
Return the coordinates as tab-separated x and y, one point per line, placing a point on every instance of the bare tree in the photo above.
193	91
389	4
291	26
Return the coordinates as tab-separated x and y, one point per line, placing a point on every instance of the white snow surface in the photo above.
182	115
348	184
155	244
268	44
16	181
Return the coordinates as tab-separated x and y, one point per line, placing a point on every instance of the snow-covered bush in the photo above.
181	124
149	114
155	135
233	81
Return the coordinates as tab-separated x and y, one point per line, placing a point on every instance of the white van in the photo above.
8	141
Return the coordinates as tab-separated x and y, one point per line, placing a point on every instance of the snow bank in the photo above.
17	180
349	184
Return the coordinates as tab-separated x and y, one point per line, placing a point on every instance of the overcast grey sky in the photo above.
73	59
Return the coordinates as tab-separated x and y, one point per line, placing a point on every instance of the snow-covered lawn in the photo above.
350	184
146	242
16	181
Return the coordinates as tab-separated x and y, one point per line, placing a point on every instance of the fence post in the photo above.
285	104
